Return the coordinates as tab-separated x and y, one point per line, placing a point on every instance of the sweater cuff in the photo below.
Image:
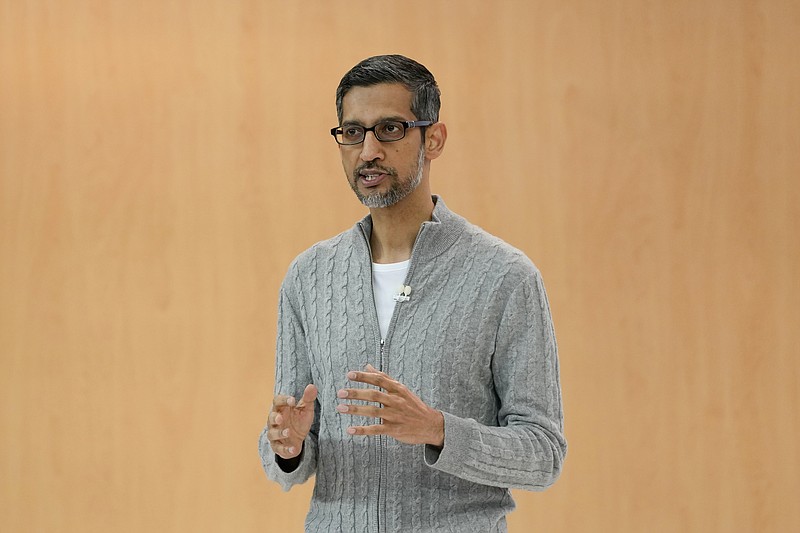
450	458
304	469
290	465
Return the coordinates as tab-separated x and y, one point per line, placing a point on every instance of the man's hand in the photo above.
290	421
405	417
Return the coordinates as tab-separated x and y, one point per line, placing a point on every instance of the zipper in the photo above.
383	365
380	364
381	458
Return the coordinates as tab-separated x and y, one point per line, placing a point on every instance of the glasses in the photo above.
386	131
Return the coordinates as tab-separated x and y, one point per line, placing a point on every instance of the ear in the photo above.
435	137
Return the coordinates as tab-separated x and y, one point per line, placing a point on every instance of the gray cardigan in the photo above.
475	340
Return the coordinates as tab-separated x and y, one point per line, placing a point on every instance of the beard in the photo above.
398	189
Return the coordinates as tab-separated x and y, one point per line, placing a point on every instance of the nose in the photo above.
371	148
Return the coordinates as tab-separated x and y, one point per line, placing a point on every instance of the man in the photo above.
416	367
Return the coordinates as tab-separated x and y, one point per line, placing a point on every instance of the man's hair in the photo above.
413	76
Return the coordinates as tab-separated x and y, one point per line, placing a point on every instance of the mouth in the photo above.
371	178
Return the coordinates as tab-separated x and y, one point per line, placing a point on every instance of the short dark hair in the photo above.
425	101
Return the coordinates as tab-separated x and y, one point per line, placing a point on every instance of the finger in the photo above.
277	434
360	410
287	452
309	395
374	370
368	430
367	395
275	419
371	378
282	400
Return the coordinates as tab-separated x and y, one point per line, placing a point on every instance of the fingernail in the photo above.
351	431
342	394
351	375
291	450
342	408
285	433
291	400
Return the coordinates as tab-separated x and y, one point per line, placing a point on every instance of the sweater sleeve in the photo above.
527	448
292	374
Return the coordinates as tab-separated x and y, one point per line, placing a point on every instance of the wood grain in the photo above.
162	163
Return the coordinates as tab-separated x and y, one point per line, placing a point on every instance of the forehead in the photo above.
367	105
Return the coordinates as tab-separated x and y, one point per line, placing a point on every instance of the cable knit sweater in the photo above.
475	340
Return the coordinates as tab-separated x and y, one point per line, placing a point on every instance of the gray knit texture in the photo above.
475	341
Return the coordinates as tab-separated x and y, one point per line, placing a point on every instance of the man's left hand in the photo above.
405	417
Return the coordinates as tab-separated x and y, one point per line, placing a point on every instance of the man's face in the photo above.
382	173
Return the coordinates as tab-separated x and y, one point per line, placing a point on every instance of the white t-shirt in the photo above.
386	280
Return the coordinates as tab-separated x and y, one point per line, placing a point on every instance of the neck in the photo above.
395	228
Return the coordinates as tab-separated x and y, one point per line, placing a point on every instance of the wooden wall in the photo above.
162	162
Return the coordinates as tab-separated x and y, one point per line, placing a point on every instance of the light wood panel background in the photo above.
162	162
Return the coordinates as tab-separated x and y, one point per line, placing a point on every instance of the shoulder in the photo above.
469	244
501	255
324	248
309	261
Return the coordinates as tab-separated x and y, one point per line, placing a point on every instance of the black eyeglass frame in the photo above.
338	130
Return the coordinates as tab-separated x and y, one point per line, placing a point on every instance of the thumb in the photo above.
309	395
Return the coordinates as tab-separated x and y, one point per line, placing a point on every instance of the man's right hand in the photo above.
290	421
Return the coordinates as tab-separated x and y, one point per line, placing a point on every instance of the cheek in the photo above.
348	170
349	162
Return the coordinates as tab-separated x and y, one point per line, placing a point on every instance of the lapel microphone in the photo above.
403	294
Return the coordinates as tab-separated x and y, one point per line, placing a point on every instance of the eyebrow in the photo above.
395	118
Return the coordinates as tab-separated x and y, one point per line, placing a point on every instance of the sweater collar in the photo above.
435	236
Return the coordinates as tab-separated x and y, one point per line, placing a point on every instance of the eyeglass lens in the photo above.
385	131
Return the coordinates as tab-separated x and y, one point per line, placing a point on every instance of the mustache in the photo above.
372	166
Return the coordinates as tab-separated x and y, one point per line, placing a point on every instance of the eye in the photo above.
390	131
352	132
